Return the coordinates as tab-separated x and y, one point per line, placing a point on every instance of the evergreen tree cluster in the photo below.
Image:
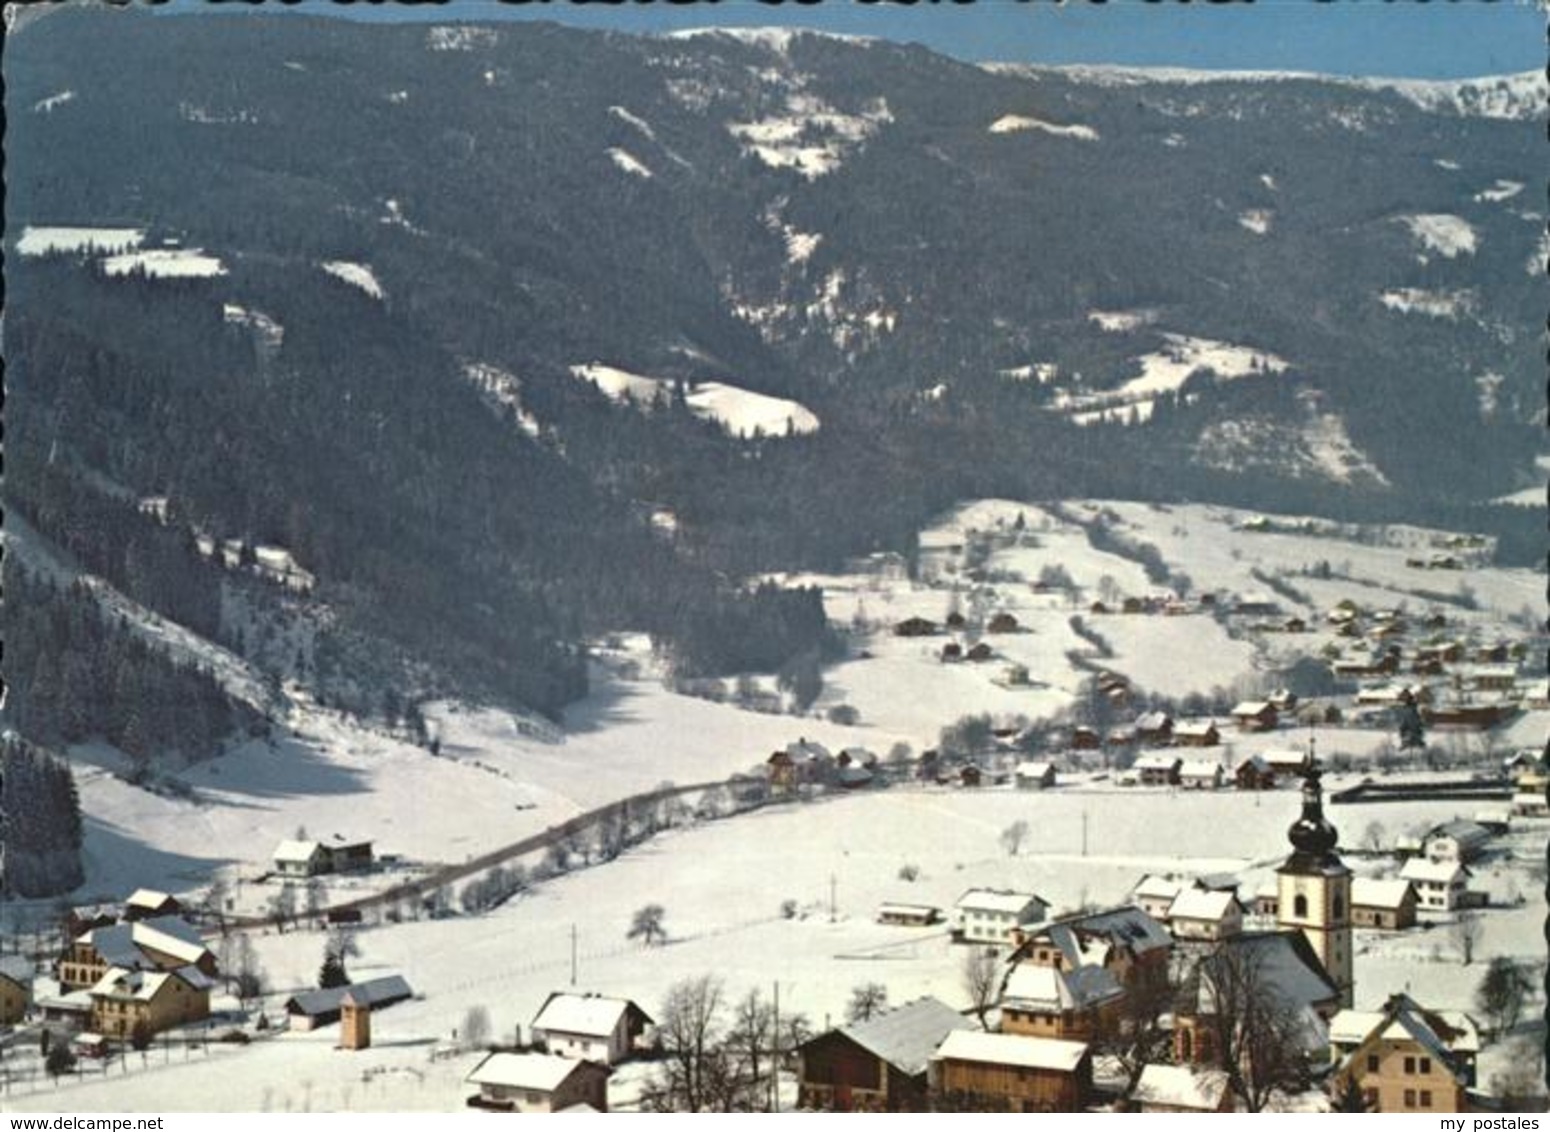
74	674
41	817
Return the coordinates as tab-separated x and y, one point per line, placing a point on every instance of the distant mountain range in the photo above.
510	334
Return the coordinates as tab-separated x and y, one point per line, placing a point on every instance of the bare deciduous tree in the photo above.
981	981
1013	836
1256	1034
647	925
1467	930
690	1026
866	999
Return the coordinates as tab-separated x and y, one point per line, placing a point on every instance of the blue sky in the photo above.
1440	39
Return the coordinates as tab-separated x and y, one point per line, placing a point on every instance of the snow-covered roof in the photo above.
1200	768
372	992
147	898
1156	762
123	945
1443	1034
898	908
1369	893
1013	1049
1153	721
1034	770
1127	924
1181	1086
1284	961
1199	904
588	1014
1042	987
298	851
1194	727
18	969
906	1036
541	1072
141	986
1252	707
1462	831
1282	760
999	900
1159	886
1445	872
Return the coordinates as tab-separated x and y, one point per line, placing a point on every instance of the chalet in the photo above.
1003	623
147	903
126	1002
1393	695
311	1009
1343	612
1125	939
74	1008
1522	762
90	1045
914	627
538	1082
1531	805
879	1065
1044	1001
1012	1072
1289	972
853	777
1158	770
1154	728
16	976
988	915
782	770
1496	821
1180	1088
1196	734
300	859
1459	840
951	652
1439	885
1254	773
1035	776
979	653
1200	775
1289	763
1410	1060
1467	717
1198	914
1491	678
1255	715
163	943
909	915
1085	739
1387	905
348	856
590	1027
1155	894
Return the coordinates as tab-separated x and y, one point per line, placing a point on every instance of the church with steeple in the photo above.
1314	886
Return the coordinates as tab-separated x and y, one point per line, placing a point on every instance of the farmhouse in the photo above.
909	915
987	915
1181	1088
1125	940
1012	1072
1158	770
16	975
1255	715
1196	734
1254	773
300	859
147	903
1047	1002
1439	885
312	1009
1154	728
538	1082
591	1027
164	943
1461	841
1198	914
1410	1060
1035	776
879	1065
1155	894
1199	775
1388	905
125	1002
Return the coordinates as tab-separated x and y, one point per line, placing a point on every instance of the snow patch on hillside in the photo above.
166	263
1257	220
1269	182
1535	264
741	412
269	332
640	124
1118	322
1502	190
1434	304
800	246
629	163
1488	389
42	241
355	274
1166	369
1448	235
1318	447
1017	123
503	392
47	105
460	37
776	39
813	138
1042	372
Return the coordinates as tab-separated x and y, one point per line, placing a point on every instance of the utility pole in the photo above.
831	898
1084	833
573	955
775	1056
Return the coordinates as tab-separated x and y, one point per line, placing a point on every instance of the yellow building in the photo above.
1410	1059
123	1000
15	989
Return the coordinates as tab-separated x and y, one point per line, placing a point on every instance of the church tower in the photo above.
1314	886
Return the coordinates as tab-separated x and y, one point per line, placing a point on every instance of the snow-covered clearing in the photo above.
1018	123
504	392
1500	191
43	240
1447	235
629	163
1257	220
1434	304
813	138
1118	322
1316	445
741	412
166	263
49	104
460	37
355	274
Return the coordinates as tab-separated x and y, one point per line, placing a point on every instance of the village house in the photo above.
1467	716
879	1065
993	916
1085	739
1200	775
147	903
1198	914
1388	905
1126	940
294	858
312	1009
1409	1059
1196	734
1011	1072
914	627
164	943
538	1082
16	976
590	1027
1255	715
1458	840
1254	773
1035	776
1045	1001
1439	885
1158	770
909	915
1180	1088
1287	763
1154	728
1155	894
1531	805
1491	678
126	1002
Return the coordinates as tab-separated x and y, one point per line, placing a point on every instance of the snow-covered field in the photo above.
166	263
43	240
355	274
740	411
1019	123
